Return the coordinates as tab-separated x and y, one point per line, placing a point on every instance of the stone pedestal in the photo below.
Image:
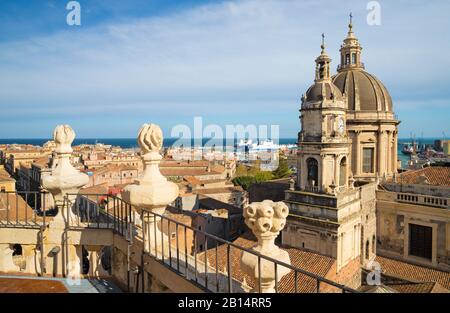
152	192
64	179
266	219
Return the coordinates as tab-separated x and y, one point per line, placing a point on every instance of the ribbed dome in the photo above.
323	90
364	91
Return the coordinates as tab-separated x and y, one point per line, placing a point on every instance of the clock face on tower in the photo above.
340	125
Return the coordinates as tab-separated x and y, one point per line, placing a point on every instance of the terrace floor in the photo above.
29	284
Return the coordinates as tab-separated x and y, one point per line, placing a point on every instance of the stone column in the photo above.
266	219
381	153
64	178
336	170
394	152
389	154
357	161
151	193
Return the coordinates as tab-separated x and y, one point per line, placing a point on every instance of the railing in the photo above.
223	275
312	189
424	200
23	209
214	265
99	211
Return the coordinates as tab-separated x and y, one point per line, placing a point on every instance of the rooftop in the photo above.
412	272
432	175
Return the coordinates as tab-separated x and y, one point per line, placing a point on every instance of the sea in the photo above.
128	143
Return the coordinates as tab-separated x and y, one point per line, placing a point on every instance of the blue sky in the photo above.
231	62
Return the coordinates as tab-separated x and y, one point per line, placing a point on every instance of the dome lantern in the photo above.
350	51
323	64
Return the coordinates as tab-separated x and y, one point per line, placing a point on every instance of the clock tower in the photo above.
323	141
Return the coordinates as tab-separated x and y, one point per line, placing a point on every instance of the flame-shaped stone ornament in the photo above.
64	178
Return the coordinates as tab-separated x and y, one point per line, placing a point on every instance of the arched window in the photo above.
353	58
343	172
347	59
367	249
374	243
313	172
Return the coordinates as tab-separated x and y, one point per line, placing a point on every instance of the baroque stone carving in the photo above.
150	138
64	179
151	192
266	219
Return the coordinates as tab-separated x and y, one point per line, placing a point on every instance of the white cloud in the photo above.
240	54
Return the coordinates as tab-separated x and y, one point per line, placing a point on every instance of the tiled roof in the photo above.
435	175
213	204
209	191
413	272
96	189
186	172
14	207
426	287
192	180
4	175
305	260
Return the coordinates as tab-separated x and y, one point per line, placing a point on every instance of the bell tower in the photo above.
323	142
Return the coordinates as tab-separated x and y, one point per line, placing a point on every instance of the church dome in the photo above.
364	92
324	90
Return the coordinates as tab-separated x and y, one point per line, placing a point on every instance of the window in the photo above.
312	171
343	172
374	243
347	59
367	249
353	58
420	241
368	154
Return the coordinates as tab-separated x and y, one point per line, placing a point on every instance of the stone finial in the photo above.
63	178
291	184
266	219
63	136
150	138
351	181
152	191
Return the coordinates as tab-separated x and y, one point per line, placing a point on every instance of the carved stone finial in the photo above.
291	184
64	178
150	138
266	219
63	135
152	191
351	181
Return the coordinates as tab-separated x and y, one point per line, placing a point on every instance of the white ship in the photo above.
263	145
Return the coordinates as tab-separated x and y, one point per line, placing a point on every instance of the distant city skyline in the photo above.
233	62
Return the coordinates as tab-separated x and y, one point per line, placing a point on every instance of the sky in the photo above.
229	62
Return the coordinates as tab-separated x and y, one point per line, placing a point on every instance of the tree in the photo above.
241	170
263	176
283	169
244	181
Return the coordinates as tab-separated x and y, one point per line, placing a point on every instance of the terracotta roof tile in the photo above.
426	287
413	272
14	207
435	175
305	260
